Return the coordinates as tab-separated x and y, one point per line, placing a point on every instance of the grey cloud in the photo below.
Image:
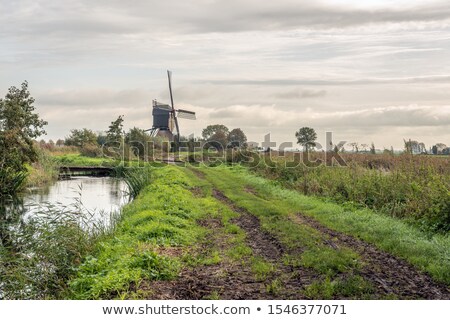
337	82
300	94
109	17
417	116
238	15
94	98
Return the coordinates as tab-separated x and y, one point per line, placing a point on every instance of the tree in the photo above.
138	140
306	137
211	130
438	148
59	142
355	146
237	138
101	138
19	126
115	131
216	136
80	138
218	140
372	149
412	146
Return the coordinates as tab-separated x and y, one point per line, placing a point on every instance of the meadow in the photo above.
415	188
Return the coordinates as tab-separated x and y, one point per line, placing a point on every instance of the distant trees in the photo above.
138	140
220	137
81	138
439	148
306	137
237	138
355	146
414	147
211	130
115	132
19	126
60	142
372	149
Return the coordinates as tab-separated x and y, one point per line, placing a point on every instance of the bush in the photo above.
91	150
416	188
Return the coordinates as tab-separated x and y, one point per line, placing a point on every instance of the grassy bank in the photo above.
39	255
430	253
191	228
414	188
44	171
154	222
75	159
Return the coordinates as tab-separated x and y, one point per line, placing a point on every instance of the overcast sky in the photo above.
372	70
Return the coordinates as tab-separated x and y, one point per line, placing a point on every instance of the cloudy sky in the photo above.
373	70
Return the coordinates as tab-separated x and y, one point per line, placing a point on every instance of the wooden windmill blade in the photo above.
174	115
186	114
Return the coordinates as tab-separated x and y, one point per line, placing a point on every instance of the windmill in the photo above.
165	117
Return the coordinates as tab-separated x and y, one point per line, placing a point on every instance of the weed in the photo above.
352	286
274	287
261	268
330	261
427	251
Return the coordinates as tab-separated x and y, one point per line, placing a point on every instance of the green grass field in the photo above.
234	235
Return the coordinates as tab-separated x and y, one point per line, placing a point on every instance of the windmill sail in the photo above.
169	77
185	114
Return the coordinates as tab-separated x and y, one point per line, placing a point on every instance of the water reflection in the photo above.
104	194
96	198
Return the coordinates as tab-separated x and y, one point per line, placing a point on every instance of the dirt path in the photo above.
223	280
293	280
390	274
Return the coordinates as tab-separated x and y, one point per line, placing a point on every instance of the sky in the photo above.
368	71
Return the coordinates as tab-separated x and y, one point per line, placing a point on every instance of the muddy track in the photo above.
226	280
197	172
267	246
389	274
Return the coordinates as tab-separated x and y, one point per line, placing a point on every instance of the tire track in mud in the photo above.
225	280
390	275
231	281
262	243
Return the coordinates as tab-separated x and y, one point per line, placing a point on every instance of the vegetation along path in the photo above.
223	233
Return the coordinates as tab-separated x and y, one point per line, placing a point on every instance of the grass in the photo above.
350	287
430	253
415	188
165	230
157	222
38	255
154	221
261	269
328	261
42	172
75	159
274	215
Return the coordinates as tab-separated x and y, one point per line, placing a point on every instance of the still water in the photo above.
97	197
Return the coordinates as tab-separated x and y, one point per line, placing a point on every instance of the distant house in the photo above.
440	148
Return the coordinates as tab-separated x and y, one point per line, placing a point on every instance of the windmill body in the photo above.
165	117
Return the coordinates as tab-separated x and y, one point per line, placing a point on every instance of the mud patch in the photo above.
197	173
293	279
224	280
251	190
390	275
198	192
